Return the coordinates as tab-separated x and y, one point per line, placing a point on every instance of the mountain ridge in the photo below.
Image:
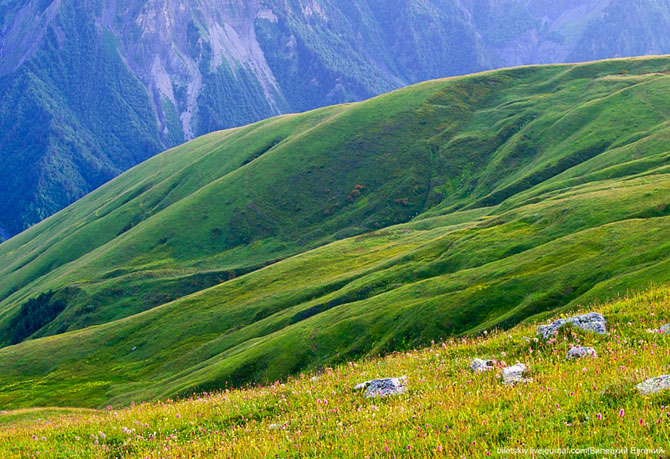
176	70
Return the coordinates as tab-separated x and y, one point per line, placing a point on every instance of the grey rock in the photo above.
665	329
480	366
383	387
579	352
654	385
592	322
515	374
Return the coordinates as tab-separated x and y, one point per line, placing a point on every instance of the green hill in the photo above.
247	255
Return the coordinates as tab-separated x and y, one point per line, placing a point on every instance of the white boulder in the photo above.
592	322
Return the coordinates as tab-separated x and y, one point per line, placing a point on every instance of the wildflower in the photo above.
599	416
409	447
621	413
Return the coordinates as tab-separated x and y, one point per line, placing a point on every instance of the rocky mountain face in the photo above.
91	88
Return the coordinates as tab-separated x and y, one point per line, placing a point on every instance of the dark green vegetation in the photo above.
35	314
441	209
90	89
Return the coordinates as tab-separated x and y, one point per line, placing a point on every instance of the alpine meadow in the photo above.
225	296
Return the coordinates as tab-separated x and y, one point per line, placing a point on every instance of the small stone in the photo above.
592	322
480	366
133	349
274	427
314	378
579	352
515	374
383	387
654	385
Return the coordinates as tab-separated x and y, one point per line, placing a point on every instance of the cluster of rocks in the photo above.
592	322
383	387
516	374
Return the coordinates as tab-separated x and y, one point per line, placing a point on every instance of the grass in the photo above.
353	231
447	412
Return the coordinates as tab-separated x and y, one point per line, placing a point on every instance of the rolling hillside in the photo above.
588	407
91	89
250	254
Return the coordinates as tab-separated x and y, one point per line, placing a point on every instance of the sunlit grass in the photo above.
448	410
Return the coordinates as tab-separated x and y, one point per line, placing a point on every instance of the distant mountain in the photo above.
436	210
90	89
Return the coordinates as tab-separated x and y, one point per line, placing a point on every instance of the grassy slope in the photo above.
448	411
531	188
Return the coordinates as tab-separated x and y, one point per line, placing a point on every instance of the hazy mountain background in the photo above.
91	88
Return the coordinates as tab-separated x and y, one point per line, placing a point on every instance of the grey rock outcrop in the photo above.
383	387
579	352
592	322
515	374
480	366
654	385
